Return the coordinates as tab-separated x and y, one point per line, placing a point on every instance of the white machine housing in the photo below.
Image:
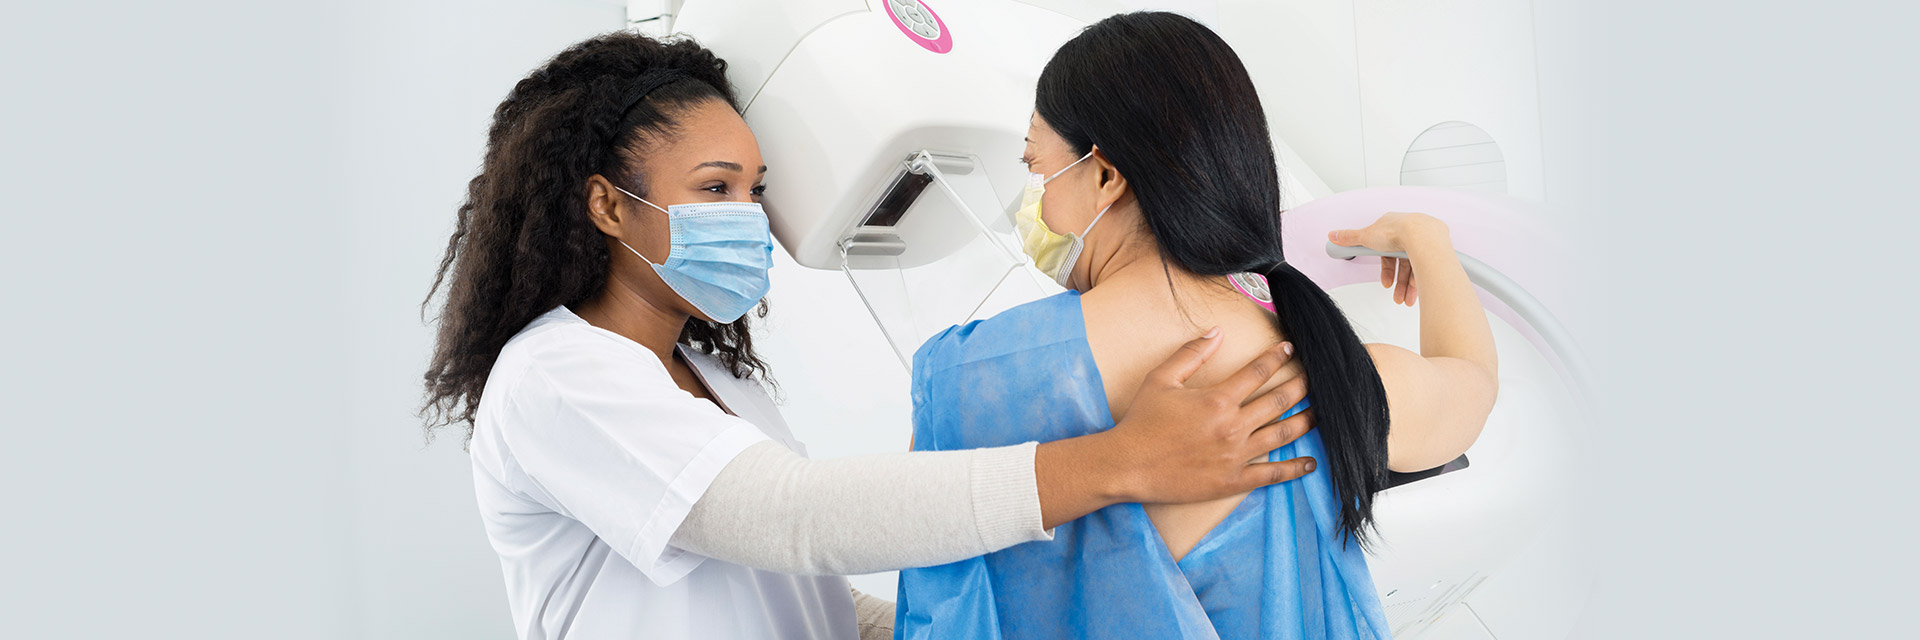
796	62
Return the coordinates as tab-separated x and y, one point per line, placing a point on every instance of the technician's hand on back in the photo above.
630	470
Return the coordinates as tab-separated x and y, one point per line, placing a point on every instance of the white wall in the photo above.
220	220
1350	83
175	381
420	83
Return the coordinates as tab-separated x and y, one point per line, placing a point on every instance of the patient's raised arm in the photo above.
1439	398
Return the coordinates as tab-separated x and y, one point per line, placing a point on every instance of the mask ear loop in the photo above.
1064	169
1079	245
1080	241
1056	174
1103	212
1096	220
623	243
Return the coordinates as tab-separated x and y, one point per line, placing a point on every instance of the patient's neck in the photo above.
1137	261
1134	254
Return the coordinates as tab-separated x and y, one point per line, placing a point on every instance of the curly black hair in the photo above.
524	244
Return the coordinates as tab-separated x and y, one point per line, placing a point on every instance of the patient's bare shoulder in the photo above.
1131	330
1122	334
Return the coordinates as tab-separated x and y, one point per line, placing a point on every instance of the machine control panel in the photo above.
916	18
920	24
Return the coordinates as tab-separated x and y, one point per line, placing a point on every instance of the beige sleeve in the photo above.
772	509
874	616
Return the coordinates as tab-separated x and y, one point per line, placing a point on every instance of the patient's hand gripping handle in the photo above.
1515	297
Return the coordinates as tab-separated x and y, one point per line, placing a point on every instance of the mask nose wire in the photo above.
623	243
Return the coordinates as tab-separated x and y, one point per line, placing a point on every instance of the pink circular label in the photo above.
921	24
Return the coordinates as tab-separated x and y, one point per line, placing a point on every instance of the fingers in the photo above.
1297	424
1261	474
1394	277
1250	378
1386	273
1344	237
1279	434
1289	371
1181	365
1413	290
1406	278
1274	403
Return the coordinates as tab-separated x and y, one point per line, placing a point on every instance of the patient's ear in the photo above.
1113	185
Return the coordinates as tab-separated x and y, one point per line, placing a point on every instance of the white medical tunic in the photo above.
586	458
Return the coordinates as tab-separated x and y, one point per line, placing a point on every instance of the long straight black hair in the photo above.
1172	107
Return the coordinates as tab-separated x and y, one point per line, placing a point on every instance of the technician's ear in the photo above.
606	206
1112	184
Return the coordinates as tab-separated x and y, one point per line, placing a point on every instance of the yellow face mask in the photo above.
1054	254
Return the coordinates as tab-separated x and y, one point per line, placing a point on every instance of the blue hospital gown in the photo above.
1274	568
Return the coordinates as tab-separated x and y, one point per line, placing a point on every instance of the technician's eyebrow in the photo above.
730	166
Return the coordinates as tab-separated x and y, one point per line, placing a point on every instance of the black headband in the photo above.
648	82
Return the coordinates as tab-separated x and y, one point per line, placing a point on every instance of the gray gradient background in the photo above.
219	217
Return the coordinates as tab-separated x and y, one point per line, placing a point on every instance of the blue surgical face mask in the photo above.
721	252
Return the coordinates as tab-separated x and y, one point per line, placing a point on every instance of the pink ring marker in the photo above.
1254	285
921	24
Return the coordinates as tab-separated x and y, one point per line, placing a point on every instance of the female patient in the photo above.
1148	139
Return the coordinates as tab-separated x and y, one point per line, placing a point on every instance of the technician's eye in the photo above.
716	188
759	190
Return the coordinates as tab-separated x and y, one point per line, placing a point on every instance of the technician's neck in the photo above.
621	308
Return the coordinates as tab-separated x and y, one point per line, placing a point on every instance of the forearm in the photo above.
1452	322
774	510
1078	476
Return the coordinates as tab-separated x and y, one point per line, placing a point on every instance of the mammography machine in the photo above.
895	126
